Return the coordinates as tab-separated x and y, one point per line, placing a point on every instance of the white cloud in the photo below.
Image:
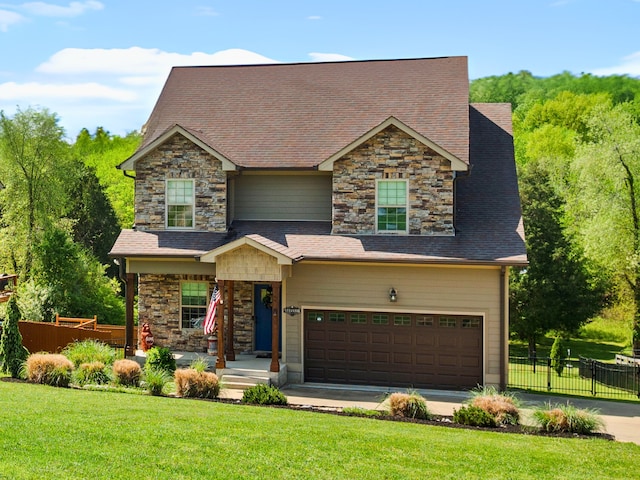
8	18
112	88
630	65
74	9
329	57
206	12
314	17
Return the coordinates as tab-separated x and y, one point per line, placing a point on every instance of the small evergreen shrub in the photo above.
154	380
409	405
362	412
54	370
557	356
503	407
192	383
12	352
161	358
92	373
88	351
127	373
568	419
474	416
263	394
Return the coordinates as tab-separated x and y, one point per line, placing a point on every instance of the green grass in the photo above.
53	433
597	350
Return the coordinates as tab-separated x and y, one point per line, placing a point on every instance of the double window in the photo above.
193	304
391	206
180	201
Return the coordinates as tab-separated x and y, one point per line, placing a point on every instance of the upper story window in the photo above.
391	206
180	201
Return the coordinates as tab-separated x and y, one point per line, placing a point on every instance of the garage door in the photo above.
393	349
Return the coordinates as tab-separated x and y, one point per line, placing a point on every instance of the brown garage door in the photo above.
393	349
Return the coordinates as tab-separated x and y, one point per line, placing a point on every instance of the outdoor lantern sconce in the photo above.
393	295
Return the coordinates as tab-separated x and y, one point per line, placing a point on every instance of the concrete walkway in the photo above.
621	419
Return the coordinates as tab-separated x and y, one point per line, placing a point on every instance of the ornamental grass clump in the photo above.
127	373
54	370
409	405
503	407
568	419
154	380
263	394
191	383
91	373
87	351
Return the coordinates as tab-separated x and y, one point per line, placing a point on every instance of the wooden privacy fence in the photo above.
53	337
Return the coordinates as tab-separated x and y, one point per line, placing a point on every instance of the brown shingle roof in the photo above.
488	218
297	115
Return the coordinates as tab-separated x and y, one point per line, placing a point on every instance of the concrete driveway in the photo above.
621	419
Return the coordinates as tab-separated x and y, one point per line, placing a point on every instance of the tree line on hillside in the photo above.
62	206
577	146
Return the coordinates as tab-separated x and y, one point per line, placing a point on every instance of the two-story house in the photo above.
358	217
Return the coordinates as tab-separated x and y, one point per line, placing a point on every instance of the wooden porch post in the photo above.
220	363
231	354
275	326
129	291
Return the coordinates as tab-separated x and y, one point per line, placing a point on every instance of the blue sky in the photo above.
103	63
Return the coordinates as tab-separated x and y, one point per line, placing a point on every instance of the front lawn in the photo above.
51	433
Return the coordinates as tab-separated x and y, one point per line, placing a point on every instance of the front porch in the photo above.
247	369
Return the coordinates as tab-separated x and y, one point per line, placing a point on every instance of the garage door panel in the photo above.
429	351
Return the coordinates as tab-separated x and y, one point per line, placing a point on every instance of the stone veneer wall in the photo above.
178	158
159	305
392	154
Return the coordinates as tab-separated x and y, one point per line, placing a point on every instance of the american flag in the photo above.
210	318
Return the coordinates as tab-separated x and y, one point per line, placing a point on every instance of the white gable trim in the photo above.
210	257
456	163
130	163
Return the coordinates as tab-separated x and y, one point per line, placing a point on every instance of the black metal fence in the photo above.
583	376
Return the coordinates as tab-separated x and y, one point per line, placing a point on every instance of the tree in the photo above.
12	352
33	168
608	195
556	291
557	355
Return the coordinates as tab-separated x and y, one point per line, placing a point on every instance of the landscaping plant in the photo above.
473	416
557	356
409	405
502	406
161	358
154	380
12	352
127	372
91	373
87	351
567	418
54	369
263	394
196	384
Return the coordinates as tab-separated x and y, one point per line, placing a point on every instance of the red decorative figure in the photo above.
146	337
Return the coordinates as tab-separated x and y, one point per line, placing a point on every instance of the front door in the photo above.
262	312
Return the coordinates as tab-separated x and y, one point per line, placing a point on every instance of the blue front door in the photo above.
262	314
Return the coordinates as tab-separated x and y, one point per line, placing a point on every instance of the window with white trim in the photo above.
391	206
180	202
193	304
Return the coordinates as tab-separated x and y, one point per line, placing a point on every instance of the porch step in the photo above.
239	382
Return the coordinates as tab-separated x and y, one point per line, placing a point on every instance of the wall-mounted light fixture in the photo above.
393	295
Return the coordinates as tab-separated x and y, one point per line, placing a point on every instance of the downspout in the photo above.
503	326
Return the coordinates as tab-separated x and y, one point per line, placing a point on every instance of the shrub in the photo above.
88	351
127	372
12	352
362	412
93	373
155	380
200	364
409	405
503	407
567	418
160	358
474	416
196	384
48	369
263	394
557	356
